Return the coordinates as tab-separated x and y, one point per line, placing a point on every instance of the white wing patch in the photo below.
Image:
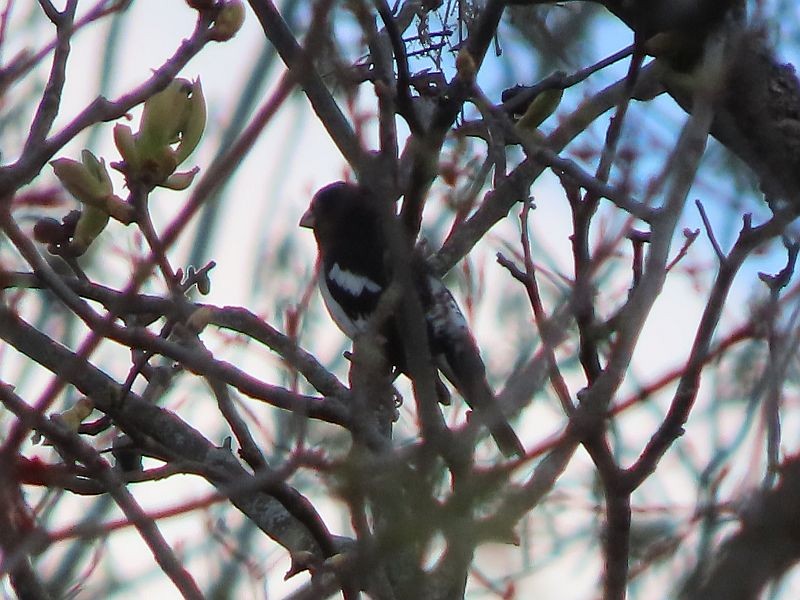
351	282
444	315
351	328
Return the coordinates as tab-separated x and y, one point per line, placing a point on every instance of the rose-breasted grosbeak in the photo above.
354	272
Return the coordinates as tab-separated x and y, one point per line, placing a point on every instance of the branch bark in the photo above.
764	548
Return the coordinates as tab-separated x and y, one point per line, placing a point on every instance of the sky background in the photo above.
270	191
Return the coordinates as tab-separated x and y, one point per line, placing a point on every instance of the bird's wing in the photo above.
459	359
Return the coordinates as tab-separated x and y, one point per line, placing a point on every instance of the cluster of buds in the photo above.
89	182
172	123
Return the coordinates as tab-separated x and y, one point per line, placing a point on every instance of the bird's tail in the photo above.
499	428
504	435
467	373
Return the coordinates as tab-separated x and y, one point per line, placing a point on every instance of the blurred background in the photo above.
266	264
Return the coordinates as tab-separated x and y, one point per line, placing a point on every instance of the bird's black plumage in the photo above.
354	273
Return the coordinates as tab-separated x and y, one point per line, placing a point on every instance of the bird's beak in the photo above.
307	220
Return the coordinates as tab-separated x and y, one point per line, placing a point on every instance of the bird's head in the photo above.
341	209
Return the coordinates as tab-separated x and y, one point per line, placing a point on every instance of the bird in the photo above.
355	271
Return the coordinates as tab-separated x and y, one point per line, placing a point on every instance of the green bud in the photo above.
176	115
192	129
159	165
75	178
163	116
92	222
228	22
542	107
74	416
125	142
87	181
180	181
120	210
97	168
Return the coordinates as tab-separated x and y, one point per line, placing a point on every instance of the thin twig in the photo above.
689	236
173	438
51	97
248	448
14	176
99	325
683	399
543	324
24	62
559	80
232	318
74	446
299	63
614	132
710	232
51	11
404	101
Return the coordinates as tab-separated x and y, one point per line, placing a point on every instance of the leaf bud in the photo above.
228	22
